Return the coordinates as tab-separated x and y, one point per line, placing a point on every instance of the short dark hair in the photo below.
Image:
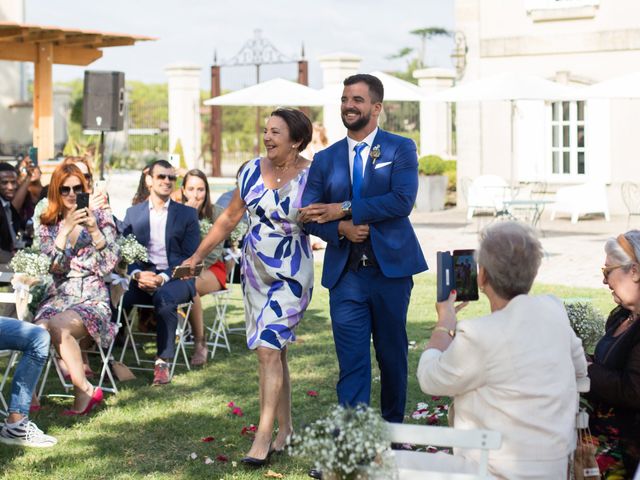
158	163
376	89
7	167
300	128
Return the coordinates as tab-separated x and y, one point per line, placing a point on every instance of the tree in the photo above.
425	34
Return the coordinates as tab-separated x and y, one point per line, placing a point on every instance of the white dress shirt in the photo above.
365	151
157	233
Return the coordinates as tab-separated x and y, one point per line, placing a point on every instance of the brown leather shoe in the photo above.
161	374
200	353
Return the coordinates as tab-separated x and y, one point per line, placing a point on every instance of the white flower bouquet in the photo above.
31	262
205	226
347	444
131	251
237	233
586	320
31	268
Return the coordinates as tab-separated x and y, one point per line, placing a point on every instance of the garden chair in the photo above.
631	199
7	298
580	200
106	356
487	193
129	321
482	440
219	330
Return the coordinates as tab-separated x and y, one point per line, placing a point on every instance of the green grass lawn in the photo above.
150	432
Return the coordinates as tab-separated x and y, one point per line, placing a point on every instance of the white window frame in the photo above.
572	149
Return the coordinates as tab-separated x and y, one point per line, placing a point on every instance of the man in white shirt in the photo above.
171	234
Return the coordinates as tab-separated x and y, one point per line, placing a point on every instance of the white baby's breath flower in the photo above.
131	250
31	262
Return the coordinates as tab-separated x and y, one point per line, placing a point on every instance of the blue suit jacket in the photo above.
182	235
388	195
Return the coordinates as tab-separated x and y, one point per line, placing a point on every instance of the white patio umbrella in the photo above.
509	87
395	89
626	86
276	92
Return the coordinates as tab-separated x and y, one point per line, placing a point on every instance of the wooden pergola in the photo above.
46	46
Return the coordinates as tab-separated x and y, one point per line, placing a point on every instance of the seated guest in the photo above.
33	342
29	189
11	224
615	371
82	246
142	193
195	193
514	371
170	232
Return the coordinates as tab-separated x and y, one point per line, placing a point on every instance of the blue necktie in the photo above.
357	169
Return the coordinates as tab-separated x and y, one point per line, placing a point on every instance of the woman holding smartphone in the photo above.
81	244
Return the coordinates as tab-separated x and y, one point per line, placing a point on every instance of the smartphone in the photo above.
184	271
457	271
465	271
82	200
100	186
33	155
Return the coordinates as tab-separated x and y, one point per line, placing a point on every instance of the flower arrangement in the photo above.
131	250
205	226
586	320
346	444
31	262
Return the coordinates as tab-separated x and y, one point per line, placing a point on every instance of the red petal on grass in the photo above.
312	393
231	404
435	398
237	411
432	420
207	439
222	458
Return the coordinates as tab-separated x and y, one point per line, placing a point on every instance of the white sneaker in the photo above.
26	434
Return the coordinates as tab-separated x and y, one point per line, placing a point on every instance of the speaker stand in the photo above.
101	154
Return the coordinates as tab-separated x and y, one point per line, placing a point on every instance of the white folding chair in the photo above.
483	440
129	322
219	329
8	298
105	355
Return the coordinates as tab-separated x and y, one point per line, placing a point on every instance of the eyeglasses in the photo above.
606	270
65	191
162	176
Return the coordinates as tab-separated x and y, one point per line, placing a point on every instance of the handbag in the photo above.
583	465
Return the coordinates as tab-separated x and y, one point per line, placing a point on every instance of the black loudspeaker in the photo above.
103	103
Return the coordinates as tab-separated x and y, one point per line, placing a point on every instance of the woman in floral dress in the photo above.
81	244
277	266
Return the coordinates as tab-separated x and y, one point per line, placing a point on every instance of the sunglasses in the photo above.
87	177
607	270
162	176
65	191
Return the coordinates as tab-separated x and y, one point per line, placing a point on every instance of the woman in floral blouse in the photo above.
81	244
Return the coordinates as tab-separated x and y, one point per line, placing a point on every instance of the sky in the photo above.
189	31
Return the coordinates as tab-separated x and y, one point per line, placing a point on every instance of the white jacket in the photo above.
514	371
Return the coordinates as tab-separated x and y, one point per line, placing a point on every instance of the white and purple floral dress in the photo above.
277	262
78	277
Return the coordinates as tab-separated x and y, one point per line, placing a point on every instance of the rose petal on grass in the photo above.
193	455
207	461
231	404
234	464
237	411
312	393
207	439
222	458
435	398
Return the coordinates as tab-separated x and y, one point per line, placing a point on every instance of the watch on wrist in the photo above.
346	207
448	331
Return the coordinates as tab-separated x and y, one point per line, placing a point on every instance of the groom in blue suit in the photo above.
359	194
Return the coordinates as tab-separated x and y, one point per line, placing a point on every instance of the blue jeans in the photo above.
33	342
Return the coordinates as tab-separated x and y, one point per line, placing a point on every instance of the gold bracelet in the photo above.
448	331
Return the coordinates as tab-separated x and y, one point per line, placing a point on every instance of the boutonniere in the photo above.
375	154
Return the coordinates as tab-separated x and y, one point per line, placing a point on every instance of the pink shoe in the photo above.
94	401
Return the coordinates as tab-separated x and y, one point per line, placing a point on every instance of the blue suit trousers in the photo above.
365	303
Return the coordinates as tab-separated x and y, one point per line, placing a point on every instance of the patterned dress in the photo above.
277	262
78	277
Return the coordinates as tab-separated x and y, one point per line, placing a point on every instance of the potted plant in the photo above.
347	444
432	184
